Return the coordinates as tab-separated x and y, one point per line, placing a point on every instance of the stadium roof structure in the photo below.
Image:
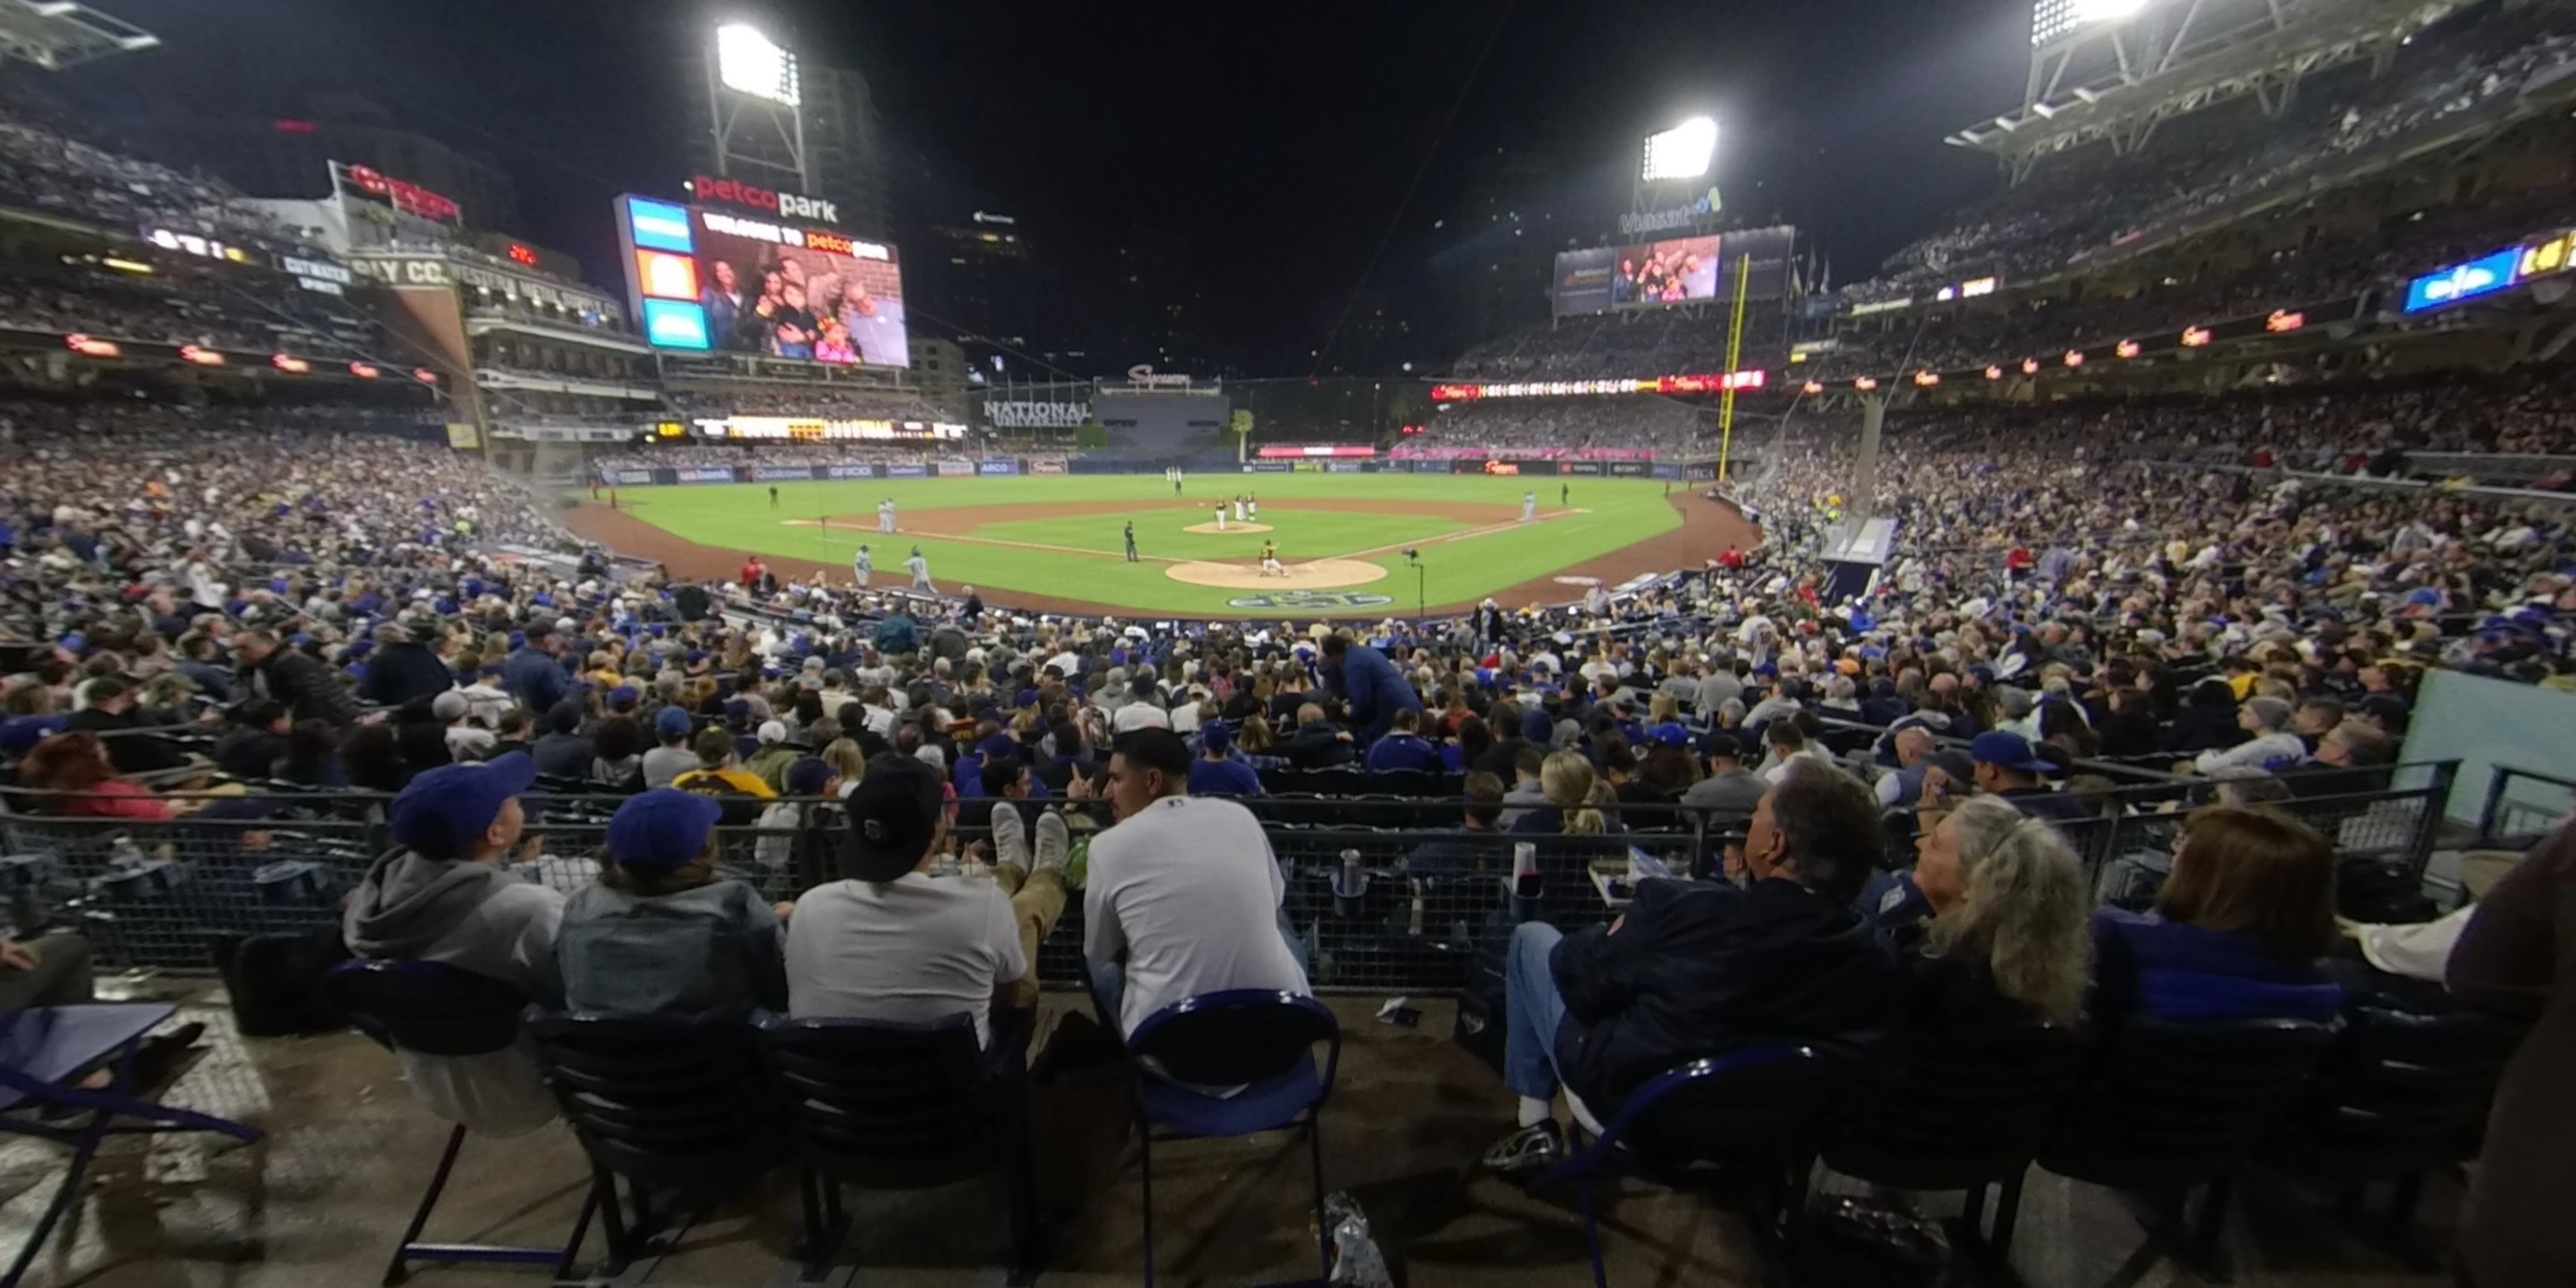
55	34
2117	76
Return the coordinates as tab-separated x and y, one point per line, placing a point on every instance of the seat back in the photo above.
671	1101
2401	1091
1746	1109
426	1007
1955	1110
2175	1103
1236	1037
894	1106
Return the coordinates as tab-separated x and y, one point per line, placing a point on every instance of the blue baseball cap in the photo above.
672	720
443	812
662	828
2009	750
624	696
807	776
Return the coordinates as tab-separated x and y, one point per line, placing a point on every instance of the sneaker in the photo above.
1010	840
1527	1152
1055	844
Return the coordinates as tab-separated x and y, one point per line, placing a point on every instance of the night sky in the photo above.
1273	144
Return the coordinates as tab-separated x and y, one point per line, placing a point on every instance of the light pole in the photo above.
1413	559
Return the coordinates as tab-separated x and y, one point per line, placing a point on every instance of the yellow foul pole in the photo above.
1734	353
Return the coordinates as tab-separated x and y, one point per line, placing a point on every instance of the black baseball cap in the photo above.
894	813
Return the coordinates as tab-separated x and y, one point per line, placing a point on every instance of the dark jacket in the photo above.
131	753
2166	970
397	673
1697	969
1374	691
562	755
1318	746
248	753
1403	751
2198	729
536	679
307	686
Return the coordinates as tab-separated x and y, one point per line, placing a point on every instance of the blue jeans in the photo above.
1108	980
1532	1010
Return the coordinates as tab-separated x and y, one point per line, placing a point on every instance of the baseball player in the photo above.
1238	507
862	566
920	572
1252	507
1270	565
1529	506
1220	516
1131	541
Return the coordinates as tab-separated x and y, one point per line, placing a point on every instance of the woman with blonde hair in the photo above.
1663	709
2006	940
848	763
1575	799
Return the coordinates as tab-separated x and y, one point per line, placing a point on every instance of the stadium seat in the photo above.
902	1107
1738	1128
664	1104
2174	1107
1259	1044
438	1010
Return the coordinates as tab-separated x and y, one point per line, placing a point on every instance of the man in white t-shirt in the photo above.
895	943
1183	895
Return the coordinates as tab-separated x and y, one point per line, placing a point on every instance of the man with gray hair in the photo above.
2271	748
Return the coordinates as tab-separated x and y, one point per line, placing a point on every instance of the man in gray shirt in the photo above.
1729	791
673	757
1717	684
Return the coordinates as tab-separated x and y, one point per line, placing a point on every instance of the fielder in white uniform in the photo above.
862	566
920	572
1529	506
1220	516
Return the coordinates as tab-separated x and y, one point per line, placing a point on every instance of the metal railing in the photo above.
2521	805
1390	894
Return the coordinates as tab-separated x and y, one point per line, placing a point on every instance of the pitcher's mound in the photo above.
1320	574
1229	529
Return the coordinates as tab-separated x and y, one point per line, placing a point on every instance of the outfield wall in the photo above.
1013	466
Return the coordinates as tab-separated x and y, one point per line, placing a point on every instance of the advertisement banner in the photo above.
1267	467
956	469
630	477
908	470
1048	466
1344	467
1630	469
1583	281
1431	467
780	473
861	470
1665	471
706	474
1592	468
1699	471
997	467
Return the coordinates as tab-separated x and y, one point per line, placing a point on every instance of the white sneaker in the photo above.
1055	844
1010	840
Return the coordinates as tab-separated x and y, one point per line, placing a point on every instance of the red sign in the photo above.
523	255
410	198
424	375
2127	349
2196	337
202	357
91	346
288	363
362	370
2284	321
1292	453
1926	379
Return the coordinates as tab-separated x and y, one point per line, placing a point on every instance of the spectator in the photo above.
1319	743
294	677
659	933
1577	800
1730	790
1480	847
1403	749
1369	684
442	896
111	711
404	666
617	756
720	773
672	758
2236	930
256	740
534	674
562	751
1184	896
2004	764
2005	939
1215	772
769	764
1691	971
2270	745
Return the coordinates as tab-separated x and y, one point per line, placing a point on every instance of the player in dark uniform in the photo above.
1131	541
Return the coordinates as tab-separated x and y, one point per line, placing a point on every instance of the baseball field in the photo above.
1057	543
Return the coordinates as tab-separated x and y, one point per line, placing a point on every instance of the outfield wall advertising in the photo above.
1046	467
997	467
956	469
859	471
908	471
1054	466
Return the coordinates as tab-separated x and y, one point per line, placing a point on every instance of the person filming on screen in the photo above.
722	299
875	325
795	326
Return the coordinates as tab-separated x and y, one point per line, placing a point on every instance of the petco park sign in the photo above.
1036	415
785	205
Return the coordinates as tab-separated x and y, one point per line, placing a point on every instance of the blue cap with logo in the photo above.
2007	749
442	813
662	828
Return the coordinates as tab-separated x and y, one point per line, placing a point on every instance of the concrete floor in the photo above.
319	1202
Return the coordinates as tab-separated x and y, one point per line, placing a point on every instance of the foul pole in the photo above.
1734	352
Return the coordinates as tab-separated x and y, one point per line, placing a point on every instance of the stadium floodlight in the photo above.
1682	152
2107	10
748	62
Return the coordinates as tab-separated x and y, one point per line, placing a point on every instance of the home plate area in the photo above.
1316	574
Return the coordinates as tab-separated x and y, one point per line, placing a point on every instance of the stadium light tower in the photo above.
754	93
1682	152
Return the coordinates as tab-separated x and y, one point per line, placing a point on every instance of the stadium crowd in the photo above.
1547	428
816	399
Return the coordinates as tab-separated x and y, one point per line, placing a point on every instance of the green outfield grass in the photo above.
1617	513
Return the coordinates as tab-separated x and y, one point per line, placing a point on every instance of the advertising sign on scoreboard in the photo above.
707	280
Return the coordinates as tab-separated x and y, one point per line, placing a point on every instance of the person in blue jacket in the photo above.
1215	773
1404	748
1370	687
2237	929
534	674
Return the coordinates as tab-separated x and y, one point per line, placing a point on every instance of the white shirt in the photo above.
914	950
1139	715
1189	891
2271	753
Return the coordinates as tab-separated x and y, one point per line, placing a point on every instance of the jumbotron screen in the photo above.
1673	270
705	280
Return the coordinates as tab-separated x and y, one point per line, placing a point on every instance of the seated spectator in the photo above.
1480	848
672	757
2208	720
1577	800
1693	970
1730	791
659	933
719	773
617	756
76	764
256	740
2236	931
1901	789
2351	758
1790	747
441	895
1318	743
1184	895
465	741
1527	761
2004	939
563	751
1215	773
1467	744
769	764
2269	744
2004	764
1403	749
111	710
894	943
1668	767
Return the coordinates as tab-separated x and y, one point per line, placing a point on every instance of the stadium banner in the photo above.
1630	469
1267	467
1661	471
1431	467
780	473
860	470
956	469
908	470
1583	281
1047	465
631	478
705	474
997	467
1592	468
1345	467
1699	471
